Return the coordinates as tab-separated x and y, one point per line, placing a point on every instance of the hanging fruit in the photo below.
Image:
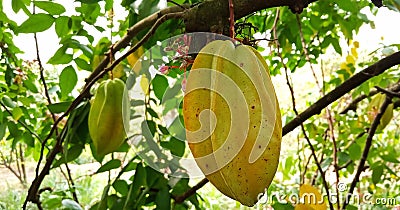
232	119
109	116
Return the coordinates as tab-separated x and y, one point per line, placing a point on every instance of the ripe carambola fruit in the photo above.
109	116
232	119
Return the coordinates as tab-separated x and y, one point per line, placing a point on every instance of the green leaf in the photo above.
393	5
149	127
112	164
377	173
160	84
103	203
28	83
82	64
13	129
354	151
130	166
326	163
68	80
391	158
346	27
18	5
347	5
152	112
335	43
176	146
8	102
28	139
121	187
139	182
52	202
50	7
2	130
75	44
70	205
176	128
109	4
71	154
59	107
278	205
17	113
351	207
163	199
60	57
89	1
62	25
343	157
147	8
172	92
163	129
36	23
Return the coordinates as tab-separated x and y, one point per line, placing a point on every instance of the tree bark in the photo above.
213	16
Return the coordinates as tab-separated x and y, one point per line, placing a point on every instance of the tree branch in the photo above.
32	192
198	18
353	104
313	152
20	122
191	191
367	147
131	33
353	82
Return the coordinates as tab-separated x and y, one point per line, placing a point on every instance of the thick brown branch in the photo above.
353	82
199	18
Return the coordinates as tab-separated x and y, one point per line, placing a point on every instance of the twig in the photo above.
74	195
23	166
388	92
159	21
303	175
21	122
367	147
335	150
7	163
191	191
313	153
46	92
353	104
345	165
353	82
307	55
131	33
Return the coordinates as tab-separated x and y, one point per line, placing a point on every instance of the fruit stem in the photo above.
231	20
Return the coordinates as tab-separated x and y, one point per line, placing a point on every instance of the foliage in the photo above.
39	112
